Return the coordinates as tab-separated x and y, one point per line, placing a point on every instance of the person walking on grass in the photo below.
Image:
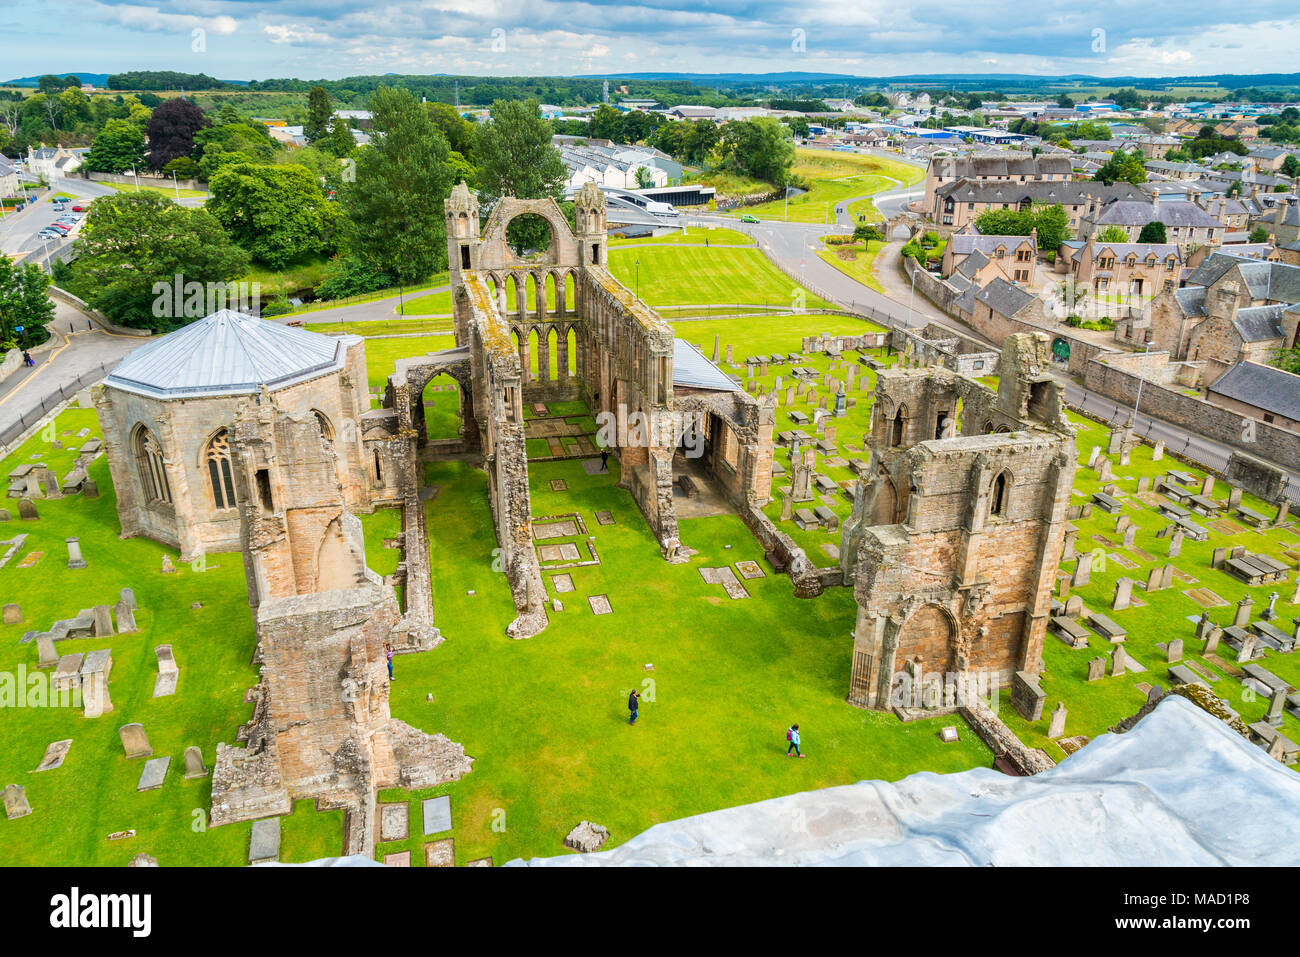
633	703
604	460
792	735
388	654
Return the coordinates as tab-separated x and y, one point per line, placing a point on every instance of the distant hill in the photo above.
95	79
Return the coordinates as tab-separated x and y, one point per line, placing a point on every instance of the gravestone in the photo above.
1158	451
440	853
1174	651
47	654
90	489
586	838
1220	558
1071	536
1057	727
134	741
264	845
1104	473
394	822
1121	523
125	618
13	615
436	814
1073	606
167	567
127	596
1123	456
168	672
1118	661
787	505
1096	669
1082	571
1247	650
1212	640
1207	485
16	801
194	766
103	621
1176	543
1242	616
153	774
1130	536
1026	696
1093	456
1275	705
74	553
54	755
94	691
1167	576
1144	484
731	360
1123	594
1234	497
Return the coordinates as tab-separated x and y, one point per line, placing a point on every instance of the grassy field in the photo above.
77	806
714	235
383	327
856	260
834	178
689	275
297	276
167	191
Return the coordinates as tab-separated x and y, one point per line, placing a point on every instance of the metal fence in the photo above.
37	410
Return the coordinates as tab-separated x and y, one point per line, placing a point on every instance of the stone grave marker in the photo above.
264	844
436	812
153	774
134	741
440	853
1123	594
103	621
13	615
47	655
400	859
1118	661
1242	616
1097	669
74	553
600	605
168	672
1057	727
54	755
586	837
16	801
1212	640
125	618
194	766
394	822
1158	451
1174	651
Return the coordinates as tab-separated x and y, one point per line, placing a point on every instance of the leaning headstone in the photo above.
1123	594
1247	650
1158	451
1118	661
264	845
1219	558
1093	456
103	621
1207	485
1104	473
1153	579
1174	651
134	741
1082	571
47	654
1234	497
1144	484
1242	616
1073	606
194	766
1057	727
1097	669
1212	640
1176	543
586	837
1167	576
1275	705
74	553
125	618
16	801
13	615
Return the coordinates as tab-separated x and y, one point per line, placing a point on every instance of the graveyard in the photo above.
1167	577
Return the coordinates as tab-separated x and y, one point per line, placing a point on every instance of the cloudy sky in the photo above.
256	39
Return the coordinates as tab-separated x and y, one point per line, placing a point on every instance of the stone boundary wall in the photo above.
809	581
1193	413
1002	740
13	360
146	179
77	303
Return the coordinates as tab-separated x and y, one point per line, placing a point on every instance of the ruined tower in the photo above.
955	537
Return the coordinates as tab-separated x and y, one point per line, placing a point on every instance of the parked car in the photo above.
79	208
749	218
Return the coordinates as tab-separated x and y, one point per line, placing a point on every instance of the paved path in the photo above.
371	311
83	349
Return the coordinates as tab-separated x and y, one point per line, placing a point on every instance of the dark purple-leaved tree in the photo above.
171	130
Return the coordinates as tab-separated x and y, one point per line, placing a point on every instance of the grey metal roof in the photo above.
693	369
228	353
1261	386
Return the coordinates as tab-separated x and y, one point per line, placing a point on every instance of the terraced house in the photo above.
984	258
1186	224
1131	269
993	167
959	203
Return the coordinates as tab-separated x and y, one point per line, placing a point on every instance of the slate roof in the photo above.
1003	297
1124	212
1070	193
1259	323
228	353
694	370
986	165
1261	386
1191	299
972	264
963	244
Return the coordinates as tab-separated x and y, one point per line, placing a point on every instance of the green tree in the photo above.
278	213
1122	167
1291	166
761	148
132	240
319	111
1153	232
606	124
393	212
117	148
1258	235
339	141
866	233
1113	234
24	302
458	130
516	158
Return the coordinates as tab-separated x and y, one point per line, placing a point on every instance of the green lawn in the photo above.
76	806
168	191
381	327
689	275
714	235
855	260
835	177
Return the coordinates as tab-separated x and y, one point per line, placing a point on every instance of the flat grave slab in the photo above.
400	859
750	569
154	773
264	845
600	605
565	552
604	517
562	583
559	485
440	853
394	822
436	812
545	530
1205	598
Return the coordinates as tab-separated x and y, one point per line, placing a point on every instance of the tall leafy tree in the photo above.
516	158
24	302
172	127
319	111
117	148
1153	232
762	148
278	213
132	240
393	212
